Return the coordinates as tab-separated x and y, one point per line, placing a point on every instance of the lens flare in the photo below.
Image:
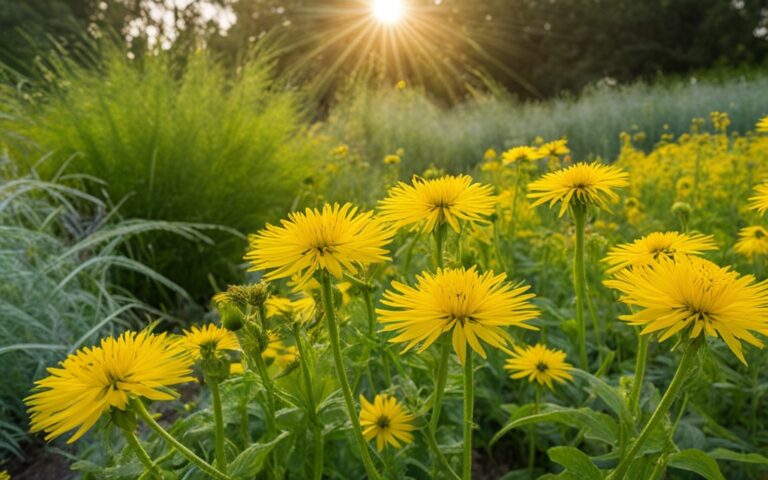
388	12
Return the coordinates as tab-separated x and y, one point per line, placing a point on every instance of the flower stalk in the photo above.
469	404
579	282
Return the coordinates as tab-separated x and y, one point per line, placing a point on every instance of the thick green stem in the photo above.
133	441
440	381
369	310
532	434
141	410
218	420
497	246
469	404
317	428
269	414
689	356
333	335
513	222
579	282
637	384
409	254
438	235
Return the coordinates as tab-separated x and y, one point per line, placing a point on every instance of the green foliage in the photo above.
173	139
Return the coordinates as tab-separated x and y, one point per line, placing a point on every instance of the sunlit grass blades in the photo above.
94	380
695	297
429	204
539	364
474	307
335	239
648	249
385	421
583	183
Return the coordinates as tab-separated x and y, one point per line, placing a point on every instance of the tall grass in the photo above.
377	122
177	139
57	291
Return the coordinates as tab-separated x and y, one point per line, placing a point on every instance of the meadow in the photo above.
202	277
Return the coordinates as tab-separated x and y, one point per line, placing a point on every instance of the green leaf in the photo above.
696	461
606	393
251	460
596	425
578	465
730	455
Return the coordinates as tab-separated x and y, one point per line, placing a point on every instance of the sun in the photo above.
388	12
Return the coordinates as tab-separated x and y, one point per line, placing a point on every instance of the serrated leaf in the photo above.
730	455
696	461
251	460
596	425
578	466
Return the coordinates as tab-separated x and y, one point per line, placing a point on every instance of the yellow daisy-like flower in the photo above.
762	125
391	160
4	475
93	380
520	153
236	368
554	148
432	203
210	340
583	183
649	248
753	241
386	421
334	239
539	364
759	202
473	306
275	346
695	296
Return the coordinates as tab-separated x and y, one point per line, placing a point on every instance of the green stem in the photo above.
218	419
133	441
689	356
440	381
497	245
532	434
637	384
579	282
514	200
438	236
469	403
269	416
369	310
317	434
333	335
245	430
409	254
141	410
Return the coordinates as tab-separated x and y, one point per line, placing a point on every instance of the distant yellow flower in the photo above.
759	202
391	160
400	85
341	151
753	241
490	154
93	380
386	421
287	356
554	148
762	125
539	364
334	239
236	368
301	310
694	296
4	475
520	153
650	248
431	203
275	346
474	307
209	341
585	184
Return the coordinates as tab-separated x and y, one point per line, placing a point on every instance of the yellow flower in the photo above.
760	201
490	154
391	160
585	184
93	380
762	125
694	296
474	306
275	346
432	203
236	368
554	148
648	249
341	151
386	421
287	357
539	364
210	340
753	241
520	153
400	85
4	475
336	239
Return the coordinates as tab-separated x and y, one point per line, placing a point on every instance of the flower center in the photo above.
382	422
542	367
